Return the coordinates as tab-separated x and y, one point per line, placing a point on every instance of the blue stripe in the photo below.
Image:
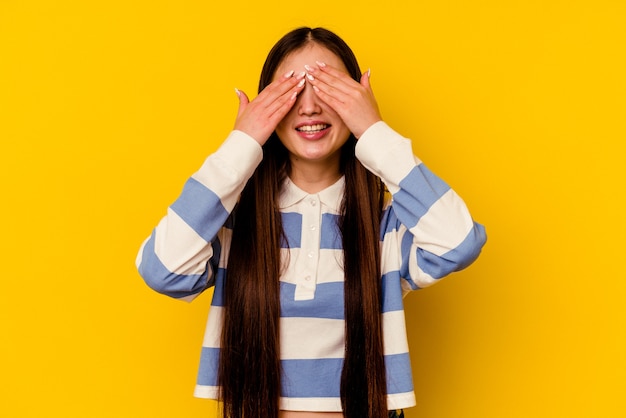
218	291
456	259
328	302
160	279
311	378
209	366
292	226
201	209
419	190
392	292
331	236
388	223
406	247
399	377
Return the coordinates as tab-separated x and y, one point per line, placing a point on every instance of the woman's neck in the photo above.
313	178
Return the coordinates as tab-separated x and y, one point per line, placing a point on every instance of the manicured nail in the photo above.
294	95
320	64
369	72
301	75
237	92
316	89
310	77
289	74
309	68
301	83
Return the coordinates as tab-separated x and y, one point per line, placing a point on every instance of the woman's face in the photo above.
312	131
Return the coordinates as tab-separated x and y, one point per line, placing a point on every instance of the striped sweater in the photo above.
426	233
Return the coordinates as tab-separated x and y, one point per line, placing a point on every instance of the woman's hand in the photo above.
259	117
354	102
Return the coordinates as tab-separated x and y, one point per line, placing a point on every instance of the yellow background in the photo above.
108	106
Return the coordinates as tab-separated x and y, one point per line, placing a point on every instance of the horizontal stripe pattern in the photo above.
328	302
331	236
163	280
419	191
426	233
201	209
292	228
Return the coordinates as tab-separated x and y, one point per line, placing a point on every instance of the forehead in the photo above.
309	54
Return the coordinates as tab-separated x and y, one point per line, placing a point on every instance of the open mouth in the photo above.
313	129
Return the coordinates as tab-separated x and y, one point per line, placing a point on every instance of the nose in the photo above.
308	102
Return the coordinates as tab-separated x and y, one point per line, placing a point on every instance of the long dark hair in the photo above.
249	366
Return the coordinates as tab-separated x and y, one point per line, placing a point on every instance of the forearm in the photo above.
443	235
179	257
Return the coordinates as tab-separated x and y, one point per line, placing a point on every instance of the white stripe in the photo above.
445	225
329	269
189	258
311	338
226	171
419	276
394	333
310	404
394	401
387	154
225	236
213	329
303	338
406	287
206	392
400	400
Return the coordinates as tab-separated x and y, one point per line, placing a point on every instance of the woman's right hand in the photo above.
259	117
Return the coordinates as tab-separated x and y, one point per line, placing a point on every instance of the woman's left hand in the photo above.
354	102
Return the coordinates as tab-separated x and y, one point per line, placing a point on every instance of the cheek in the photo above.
282	126
286	121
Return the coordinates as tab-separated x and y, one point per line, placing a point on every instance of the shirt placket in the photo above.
310	248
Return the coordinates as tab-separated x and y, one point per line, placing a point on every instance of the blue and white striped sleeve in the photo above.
181	255
430	225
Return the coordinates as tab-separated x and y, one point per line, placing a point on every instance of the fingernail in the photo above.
308	68
310	77
301	83
320	64
315	88
237	91
301	75
369	72
294	95
289	74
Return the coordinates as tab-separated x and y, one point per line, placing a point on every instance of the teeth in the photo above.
312	128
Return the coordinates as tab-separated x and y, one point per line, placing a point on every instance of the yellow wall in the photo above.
107	106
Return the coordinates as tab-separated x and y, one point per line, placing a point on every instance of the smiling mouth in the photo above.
312	129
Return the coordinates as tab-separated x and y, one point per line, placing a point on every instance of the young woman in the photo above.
311	222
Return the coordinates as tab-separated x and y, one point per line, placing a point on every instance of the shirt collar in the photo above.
331	196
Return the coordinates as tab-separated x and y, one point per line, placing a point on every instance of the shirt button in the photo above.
313	202
312	227
311	254
307	278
